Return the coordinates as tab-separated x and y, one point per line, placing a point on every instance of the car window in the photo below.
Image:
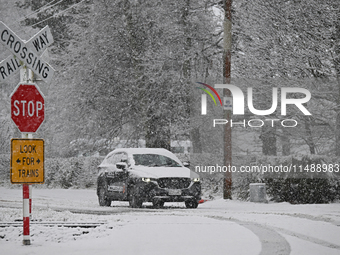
117	157
153	160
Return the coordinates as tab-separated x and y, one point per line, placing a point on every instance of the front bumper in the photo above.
151	192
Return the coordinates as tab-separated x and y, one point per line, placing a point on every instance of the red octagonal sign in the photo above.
27	107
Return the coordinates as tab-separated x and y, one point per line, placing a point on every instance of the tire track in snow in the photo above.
308	238
320	218
272	242
276	230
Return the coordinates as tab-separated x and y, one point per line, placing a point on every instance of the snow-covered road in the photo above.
216	227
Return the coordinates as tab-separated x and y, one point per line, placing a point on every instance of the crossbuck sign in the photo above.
25	53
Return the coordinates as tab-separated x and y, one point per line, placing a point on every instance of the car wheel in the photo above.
191	204
158	204
135	200
102	198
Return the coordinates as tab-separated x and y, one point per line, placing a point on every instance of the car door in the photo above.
116	185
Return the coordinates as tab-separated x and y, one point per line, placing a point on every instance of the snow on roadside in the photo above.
141	233
213	228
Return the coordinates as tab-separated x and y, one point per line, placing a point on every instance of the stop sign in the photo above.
27	107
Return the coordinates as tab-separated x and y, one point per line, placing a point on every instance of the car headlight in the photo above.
146	179
196	179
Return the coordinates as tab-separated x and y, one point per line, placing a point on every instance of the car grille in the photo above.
174	183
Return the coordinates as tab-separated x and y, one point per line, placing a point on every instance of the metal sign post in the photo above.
26	215
27	167
27	110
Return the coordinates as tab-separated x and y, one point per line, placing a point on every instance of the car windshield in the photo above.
154	160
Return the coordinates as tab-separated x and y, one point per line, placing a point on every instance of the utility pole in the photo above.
227	185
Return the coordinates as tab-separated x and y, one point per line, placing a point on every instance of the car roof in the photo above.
142	151
132	151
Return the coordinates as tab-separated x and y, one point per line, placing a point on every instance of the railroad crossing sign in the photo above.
27	107
40	41
10	66
25	53
27	161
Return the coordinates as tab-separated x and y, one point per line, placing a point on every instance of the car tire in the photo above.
158	204
102	198
191	204
135	200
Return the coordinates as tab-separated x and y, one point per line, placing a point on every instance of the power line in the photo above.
54	15
57	14
40	9
46	6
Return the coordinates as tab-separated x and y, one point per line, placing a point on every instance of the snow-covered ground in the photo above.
215	227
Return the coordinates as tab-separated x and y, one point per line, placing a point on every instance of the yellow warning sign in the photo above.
27	161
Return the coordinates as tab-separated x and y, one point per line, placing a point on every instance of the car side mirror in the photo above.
186	164
121	165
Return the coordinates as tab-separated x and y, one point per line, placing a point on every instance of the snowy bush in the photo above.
303	191
308	188
77	172
293	187
5	168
